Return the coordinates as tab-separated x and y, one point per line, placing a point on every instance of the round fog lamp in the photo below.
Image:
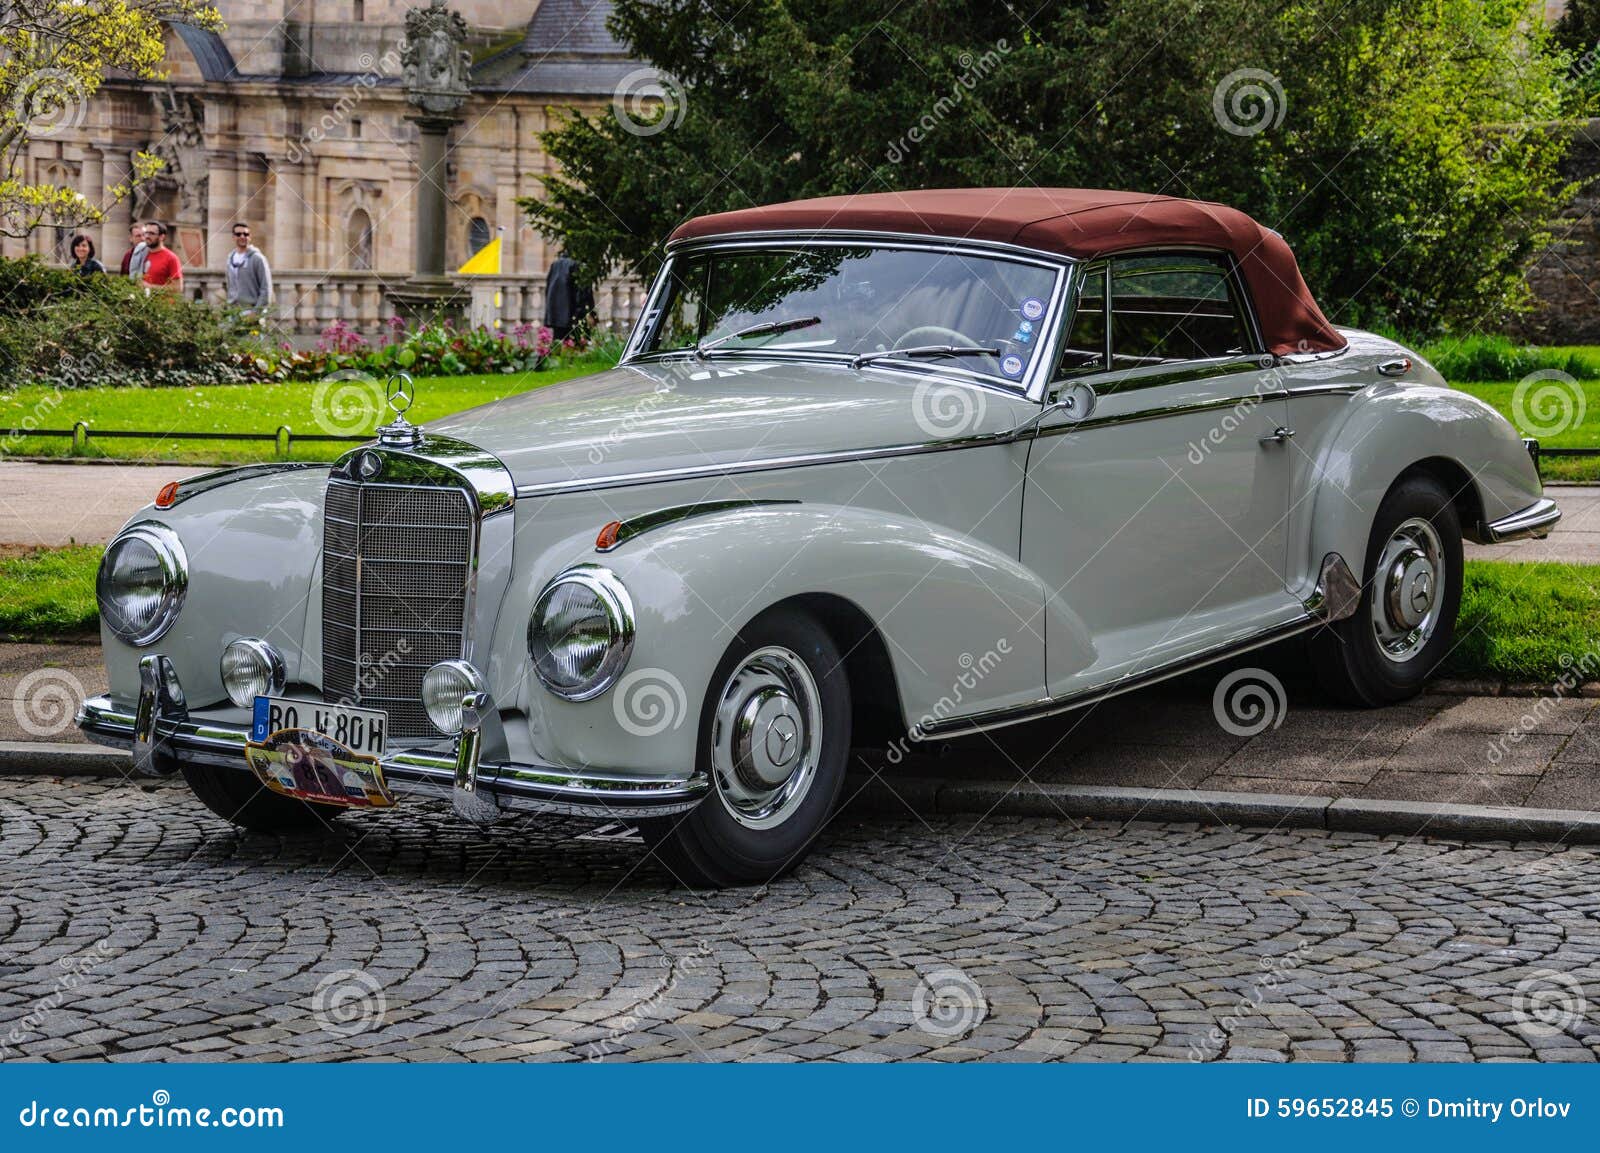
444	687
251	668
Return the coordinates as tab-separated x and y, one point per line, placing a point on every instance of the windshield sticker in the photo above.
1024	333
1032	308
1012	366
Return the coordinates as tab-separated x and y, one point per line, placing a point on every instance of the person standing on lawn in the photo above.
133	259
83	261
162	268
249	275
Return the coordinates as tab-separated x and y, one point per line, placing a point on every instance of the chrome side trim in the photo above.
207	481
1037	710
424	773
1165	411
1534	521
637	526
739	468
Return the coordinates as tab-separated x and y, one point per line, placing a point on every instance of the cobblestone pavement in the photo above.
135	926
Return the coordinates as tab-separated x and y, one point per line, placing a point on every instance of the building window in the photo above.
477	235
355	128
358	10
358	240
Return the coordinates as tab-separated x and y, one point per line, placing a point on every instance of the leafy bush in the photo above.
1488	358
72	331
435	349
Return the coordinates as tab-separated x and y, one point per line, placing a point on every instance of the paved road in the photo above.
57	504
403	936
48	505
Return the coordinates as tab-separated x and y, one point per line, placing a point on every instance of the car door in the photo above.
1158	524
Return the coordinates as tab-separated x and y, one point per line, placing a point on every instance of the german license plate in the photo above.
358	730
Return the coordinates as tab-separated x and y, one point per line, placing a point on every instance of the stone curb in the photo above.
1035	799
61	759
1199	806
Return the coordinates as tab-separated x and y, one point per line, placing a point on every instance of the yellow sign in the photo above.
484	262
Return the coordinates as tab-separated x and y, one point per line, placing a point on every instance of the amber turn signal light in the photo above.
168	496
608	536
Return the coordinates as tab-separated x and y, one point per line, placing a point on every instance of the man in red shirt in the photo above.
162	268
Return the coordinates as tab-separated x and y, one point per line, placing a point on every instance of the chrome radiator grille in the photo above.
396	586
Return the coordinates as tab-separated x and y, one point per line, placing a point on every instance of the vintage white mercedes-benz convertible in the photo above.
874	466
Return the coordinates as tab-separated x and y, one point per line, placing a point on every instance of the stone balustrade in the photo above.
307	302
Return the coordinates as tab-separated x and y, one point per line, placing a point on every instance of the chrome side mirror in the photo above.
1077	403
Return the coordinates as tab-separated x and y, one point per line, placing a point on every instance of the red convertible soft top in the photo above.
1076	222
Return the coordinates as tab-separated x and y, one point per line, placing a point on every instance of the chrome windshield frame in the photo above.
1032	385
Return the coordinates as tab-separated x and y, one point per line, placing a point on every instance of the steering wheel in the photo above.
935	334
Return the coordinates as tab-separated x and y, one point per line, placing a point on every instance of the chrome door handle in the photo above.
1395	367
1279	435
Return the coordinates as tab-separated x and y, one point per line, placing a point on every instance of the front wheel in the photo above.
774	742
1411	591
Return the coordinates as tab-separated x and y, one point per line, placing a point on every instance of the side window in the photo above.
1179	307
1085	350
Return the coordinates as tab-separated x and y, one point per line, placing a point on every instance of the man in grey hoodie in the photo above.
249	276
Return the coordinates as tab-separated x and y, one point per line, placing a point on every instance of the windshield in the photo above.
856	300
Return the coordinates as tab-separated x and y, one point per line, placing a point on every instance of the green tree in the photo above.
54	55
1405	147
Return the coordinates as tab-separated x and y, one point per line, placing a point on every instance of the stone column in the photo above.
434	134
91	182
287	209
222	207
114	170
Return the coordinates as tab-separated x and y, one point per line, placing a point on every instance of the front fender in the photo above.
961	620
1389	429
253	550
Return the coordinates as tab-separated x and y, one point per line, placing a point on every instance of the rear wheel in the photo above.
236	795
1411	590
774	741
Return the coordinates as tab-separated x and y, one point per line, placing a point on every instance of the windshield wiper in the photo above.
765	328
922	352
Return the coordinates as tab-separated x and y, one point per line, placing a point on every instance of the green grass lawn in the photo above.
1519	622
49	592
310	407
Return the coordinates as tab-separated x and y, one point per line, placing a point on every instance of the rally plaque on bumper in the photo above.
327	754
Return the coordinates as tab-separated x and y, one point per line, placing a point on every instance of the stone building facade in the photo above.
294	119
1565	278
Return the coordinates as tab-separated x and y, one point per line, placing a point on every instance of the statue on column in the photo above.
436	66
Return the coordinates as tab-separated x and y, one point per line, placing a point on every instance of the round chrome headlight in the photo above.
142	580
444	686
581	632
251	668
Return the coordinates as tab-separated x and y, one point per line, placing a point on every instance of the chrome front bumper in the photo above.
1536	521
159	730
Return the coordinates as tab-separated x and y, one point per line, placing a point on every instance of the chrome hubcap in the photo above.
1409	592
766	737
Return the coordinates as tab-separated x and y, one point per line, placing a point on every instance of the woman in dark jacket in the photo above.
83	261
